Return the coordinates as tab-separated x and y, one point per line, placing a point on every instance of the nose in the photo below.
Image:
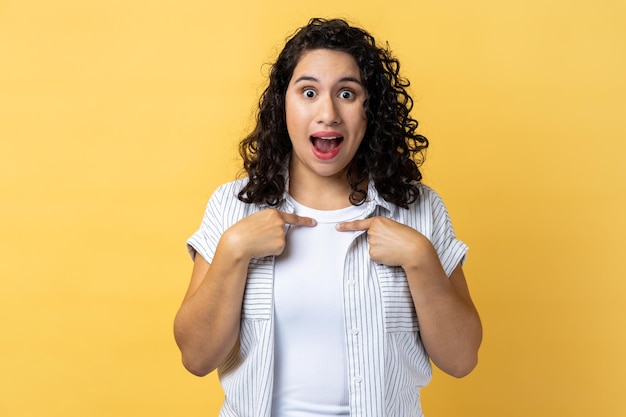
328	113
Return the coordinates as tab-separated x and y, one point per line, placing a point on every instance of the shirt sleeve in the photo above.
451	250
204	240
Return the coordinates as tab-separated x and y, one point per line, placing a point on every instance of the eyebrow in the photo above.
341	80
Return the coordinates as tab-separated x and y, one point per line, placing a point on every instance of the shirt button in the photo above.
351	282
355	331
357	379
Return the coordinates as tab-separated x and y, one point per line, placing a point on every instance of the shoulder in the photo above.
427	201
428	191
231	188
427	213
227	193
427	198
226	205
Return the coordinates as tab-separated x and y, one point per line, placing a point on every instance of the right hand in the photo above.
263	233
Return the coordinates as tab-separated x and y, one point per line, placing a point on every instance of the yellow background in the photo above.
119	118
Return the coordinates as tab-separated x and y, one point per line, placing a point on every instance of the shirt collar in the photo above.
372	201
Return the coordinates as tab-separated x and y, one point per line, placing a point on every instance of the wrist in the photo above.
421	255
234	245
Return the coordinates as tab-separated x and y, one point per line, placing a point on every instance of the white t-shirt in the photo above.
310	364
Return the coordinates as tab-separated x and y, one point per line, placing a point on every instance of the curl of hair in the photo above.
391	151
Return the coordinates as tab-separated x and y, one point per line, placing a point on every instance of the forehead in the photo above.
327	63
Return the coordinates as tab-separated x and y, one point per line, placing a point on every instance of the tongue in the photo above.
325	145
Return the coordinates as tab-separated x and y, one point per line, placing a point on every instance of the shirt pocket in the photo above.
398	308
257	299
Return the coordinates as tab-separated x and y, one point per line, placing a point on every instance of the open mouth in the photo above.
326	145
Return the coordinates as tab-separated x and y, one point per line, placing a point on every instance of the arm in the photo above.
449	324
206	326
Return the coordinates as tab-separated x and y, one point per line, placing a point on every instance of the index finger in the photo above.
354	225
296	220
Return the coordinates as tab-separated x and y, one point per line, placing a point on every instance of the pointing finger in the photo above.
354	225
296	220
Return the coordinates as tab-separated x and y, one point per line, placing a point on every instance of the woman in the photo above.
325	281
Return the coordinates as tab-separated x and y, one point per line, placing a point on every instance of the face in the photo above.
325	115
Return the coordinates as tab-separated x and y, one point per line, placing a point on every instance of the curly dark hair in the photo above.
391	151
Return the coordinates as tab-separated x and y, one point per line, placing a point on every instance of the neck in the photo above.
321	193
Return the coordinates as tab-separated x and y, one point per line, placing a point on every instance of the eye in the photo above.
309	93
346	94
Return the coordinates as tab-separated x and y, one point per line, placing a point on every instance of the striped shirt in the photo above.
387	363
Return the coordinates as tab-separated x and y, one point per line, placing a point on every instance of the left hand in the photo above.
392	243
